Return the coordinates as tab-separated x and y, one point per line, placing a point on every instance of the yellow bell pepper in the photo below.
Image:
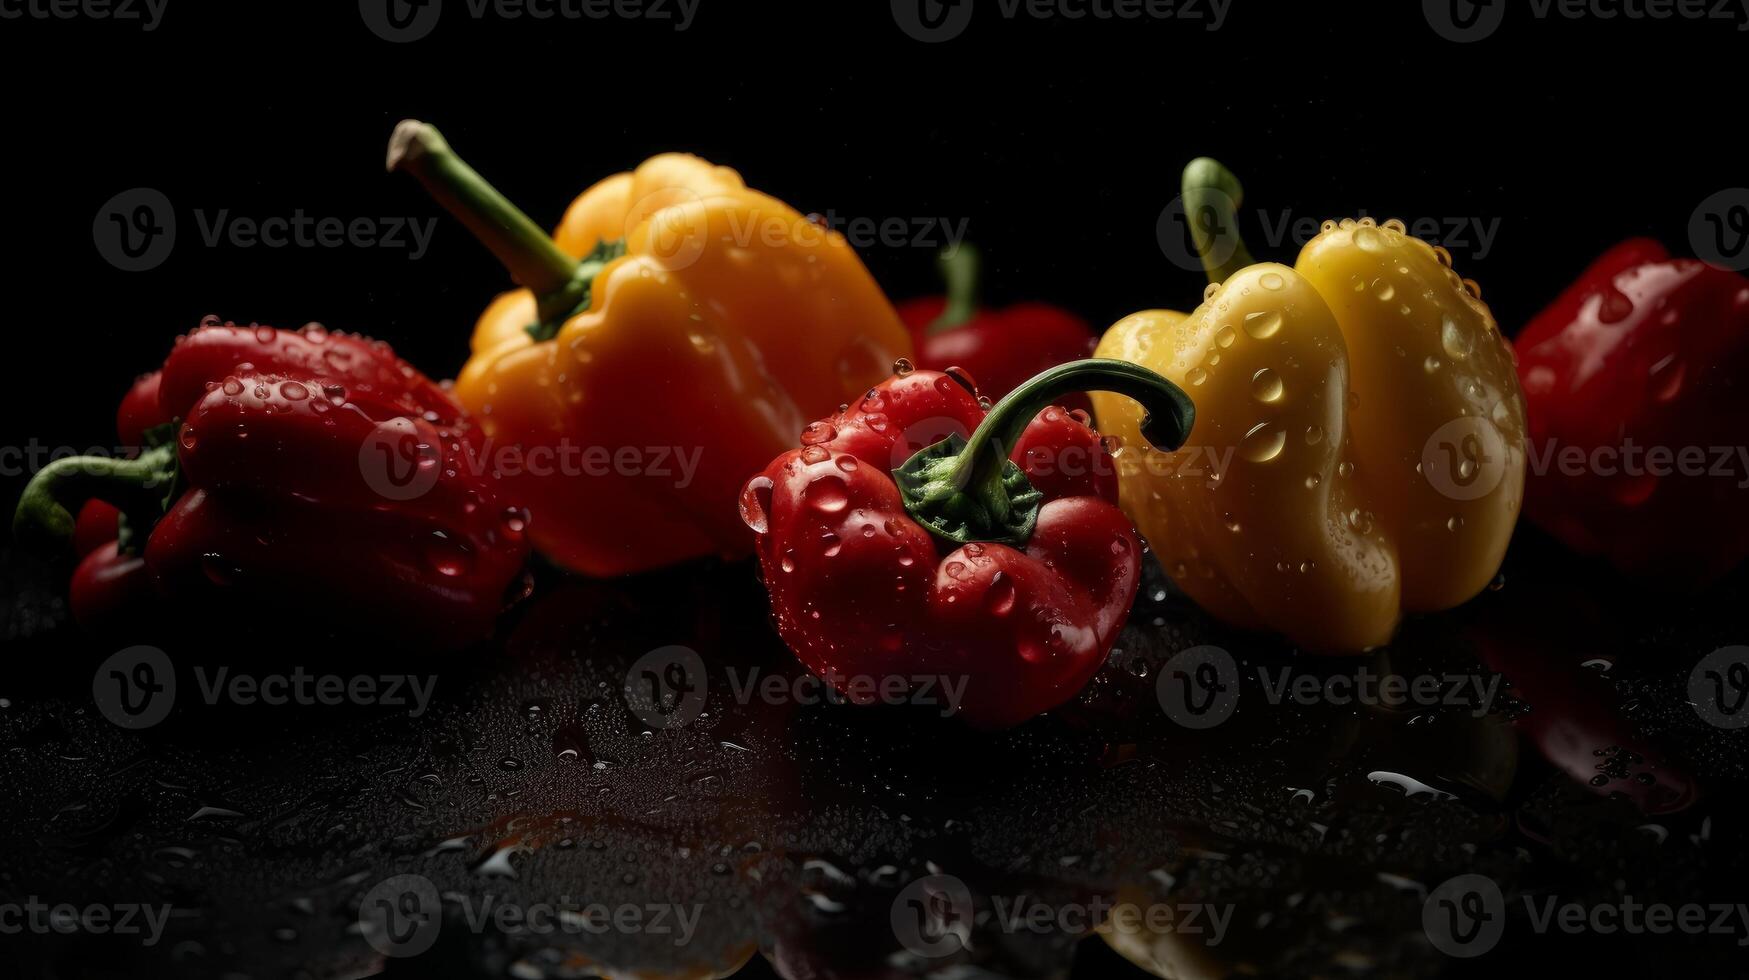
1359	445
674	336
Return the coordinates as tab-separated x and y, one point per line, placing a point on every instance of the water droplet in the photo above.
1225	336
293	391
1367	237
1456	340
756	504
1453	523
1266	386
1196	376
1263	324
1383	289
515	519
1231	523
1666	377
827	494
999	598
1210	290
1432	364
1264	442
185	436
1314	434
1313	481
1360	520
447	555
1271	280
903	366
818	432
233	386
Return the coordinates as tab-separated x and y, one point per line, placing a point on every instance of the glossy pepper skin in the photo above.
705	317
878	570
310	473
1646	351
1305	503
1001	348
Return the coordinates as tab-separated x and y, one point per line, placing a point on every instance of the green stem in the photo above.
960	268
137	487
969	490
560	283
1212	195
1166	425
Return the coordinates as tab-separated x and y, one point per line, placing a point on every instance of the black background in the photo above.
1059	141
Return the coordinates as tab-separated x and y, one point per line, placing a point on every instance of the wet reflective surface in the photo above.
564	835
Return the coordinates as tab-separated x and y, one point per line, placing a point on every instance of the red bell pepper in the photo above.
1639	367
309	472
995	559
1000	348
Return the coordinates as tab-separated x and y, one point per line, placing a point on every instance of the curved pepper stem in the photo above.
960	268
1212	195
967	490
560	283
141	488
